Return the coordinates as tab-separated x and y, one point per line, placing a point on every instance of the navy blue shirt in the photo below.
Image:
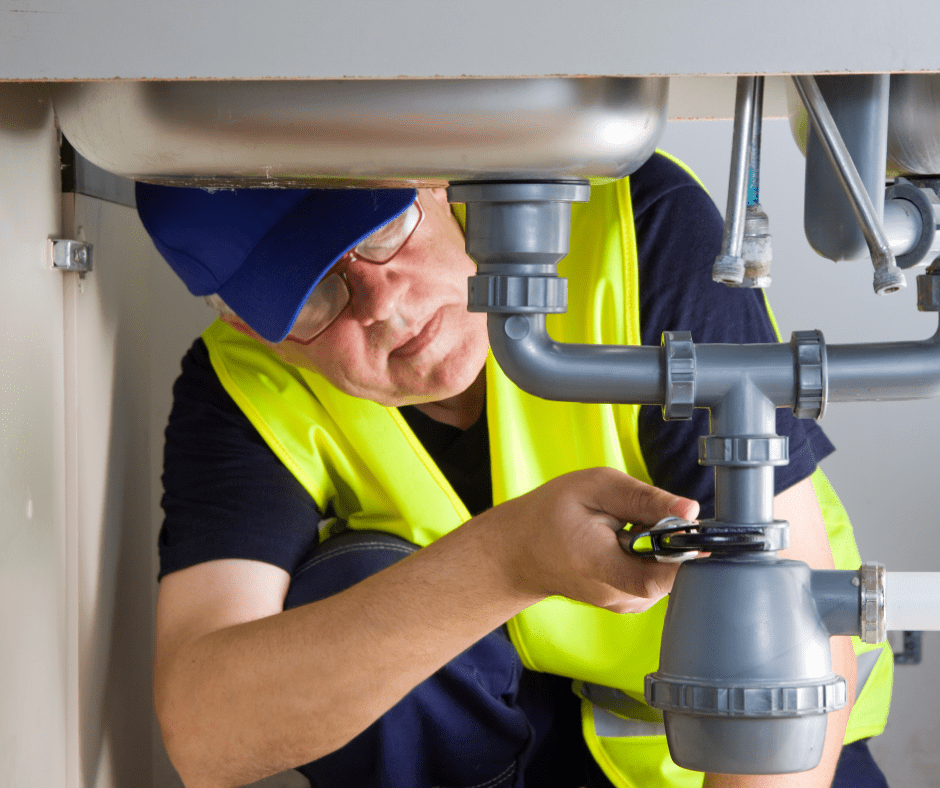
226	495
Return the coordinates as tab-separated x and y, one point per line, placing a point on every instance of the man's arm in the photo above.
243	690
808	542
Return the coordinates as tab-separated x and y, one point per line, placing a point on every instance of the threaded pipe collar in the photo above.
761	702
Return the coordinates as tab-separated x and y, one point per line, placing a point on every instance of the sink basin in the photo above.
363	132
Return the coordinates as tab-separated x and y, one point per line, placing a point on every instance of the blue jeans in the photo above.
481	721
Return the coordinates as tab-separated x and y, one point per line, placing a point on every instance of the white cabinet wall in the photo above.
37	681
86	368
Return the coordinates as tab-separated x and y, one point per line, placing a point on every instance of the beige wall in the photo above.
87	367
36	685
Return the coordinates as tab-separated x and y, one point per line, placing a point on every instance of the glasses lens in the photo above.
382	245
327	300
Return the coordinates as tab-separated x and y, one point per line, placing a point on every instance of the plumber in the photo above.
383	564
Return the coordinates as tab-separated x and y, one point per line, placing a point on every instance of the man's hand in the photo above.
561	539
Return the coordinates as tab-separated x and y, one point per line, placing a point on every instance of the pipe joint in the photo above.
852	602
811	375
679	363
517	294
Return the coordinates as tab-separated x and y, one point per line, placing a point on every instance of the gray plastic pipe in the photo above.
883	372
911	600
635	375
777	652
573	373
888	277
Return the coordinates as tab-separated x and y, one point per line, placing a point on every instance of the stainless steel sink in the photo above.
365	132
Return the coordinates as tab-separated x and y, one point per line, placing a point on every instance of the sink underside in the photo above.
286	133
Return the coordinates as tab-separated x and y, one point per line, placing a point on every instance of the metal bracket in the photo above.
928	289
68	255
911	648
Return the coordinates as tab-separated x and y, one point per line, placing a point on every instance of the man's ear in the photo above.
440	194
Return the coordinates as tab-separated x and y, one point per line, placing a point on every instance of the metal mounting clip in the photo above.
69	255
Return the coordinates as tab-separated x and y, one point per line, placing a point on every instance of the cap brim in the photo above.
275	280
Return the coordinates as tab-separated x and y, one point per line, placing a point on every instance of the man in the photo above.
344	411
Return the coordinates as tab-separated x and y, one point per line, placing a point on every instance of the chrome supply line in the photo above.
729	266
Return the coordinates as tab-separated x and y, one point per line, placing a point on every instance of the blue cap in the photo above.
262	250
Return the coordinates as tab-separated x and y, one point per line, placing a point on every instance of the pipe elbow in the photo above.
538	365
524	353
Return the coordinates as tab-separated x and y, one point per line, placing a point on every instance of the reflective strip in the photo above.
618	702
866	664
610	725
610	706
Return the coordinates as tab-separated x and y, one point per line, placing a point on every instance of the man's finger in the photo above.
629	500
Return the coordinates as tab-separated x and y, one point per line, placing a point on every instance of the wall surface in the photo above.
37	684
107	383
884	468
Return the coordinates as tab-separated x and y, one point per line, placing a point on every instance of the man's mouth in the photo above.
418	342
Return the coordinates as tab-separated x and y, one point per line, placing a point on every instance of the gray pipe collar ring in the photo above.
679	353
811	374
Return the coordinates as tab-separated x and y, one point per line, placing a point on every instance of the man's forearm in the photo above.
245	701
237	701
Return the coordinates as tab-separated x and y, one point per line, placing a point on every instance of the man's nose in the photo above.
377	290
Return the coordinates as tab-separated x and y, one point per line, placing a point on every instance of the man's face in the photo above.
406	336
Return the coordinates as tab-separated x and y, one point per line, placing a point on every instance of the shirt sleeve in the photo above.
679	234
226	495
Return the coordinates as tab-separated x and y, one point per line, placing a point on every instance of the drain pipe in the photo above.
766	673
888	277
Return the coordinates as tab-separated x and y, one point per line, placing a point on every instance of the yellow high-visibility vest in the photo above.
363	461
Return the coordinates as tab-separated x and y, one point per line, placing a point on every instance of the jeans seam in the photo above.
495	780
318	559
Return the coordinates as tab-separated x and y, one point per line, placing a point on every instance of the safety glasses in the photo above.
331	295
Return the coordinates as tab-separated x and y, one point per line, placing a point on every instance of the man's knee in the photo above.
342	561
460	723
